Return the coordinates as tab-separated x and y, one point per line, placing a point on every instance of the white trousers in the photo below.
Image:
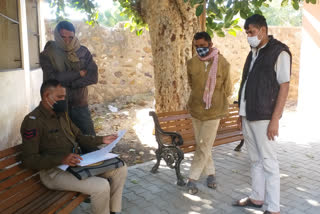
264	164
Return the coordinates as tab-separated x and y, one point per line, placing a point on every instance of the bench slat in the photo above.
233	114
228	134
228	120
189	149
11	171
178	129
192	146
73	204
10	151
188	137
19	188
54	204
175	117
15	179
228	129
9	161
228	140
234	123
42	203
21	199
68	196
22	192
175	123
188	145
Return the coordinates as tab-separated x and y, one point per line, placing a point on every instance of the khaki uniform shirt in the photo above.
197	78
47	138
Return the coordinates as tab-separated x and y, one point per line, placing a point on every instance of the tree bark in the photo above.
172	24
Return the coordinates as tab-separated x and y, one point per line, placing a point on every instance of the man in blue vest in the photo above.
262	97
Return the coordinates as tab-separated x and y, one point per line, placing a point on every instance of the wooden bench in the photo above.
175	136
21	190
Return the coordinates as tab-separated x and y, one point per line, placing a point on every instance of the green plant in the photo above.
132	9
88	7
222	15
278	15
112	16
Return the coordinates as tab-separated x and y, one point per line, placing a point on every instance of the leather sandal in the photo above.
192	188
246	202
211	182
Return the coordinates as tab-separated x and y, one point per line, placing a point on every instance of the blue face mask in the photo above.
202	52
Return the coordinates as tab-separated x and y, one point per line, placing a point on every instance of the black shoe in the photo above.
247	203
87	200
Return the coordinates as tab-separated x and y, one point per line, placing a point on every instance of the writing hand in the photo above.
72	159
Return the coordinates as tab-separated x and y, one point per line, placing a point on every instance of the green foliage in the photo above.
131	9
87	7
222	15
111	17
282	14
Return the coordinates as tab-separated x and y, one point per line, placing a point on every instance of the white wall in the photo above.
309	87
19	89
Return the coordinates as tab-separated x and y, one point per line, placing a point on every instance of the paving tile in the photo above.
158	193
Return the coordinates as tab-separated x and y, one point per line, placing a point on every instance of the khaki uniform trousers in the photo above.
105	196
205	134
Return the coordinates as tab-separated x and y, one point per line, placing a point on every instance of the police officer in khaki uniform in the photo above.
51	139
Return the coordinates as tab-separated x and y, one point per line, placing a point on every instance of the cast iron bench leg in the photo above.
180	181
238	148
158	155
173	157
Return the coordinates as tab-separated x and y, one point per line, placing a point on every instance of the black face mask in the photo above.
60	106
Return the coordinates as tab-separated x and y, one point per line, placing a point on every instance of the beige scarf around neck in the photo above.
70	49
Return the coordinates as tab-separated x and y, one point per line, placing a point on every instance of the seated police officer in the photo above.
50	139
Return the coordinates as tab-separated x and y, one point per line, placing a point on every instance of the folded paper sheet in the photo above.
99	155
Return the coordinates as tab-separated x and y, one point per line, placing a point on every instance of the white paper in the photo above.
94	158
99	155
63	167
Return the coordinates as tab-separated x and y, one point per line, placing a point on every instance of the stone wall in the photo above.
125	60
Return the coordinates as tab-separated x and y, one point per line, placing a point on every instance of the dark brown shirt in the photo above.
48	138
55	65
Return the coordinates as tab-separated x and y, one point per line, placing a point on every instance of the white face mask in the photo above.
254	41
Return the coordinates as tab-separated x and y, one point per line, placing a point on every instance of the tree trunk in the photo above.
172	24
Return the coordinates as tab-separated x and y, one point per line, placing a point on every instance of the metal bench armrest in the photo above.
176	138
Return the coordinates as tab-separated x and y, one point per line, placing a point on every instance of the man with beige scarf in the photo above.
209	80
71	64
